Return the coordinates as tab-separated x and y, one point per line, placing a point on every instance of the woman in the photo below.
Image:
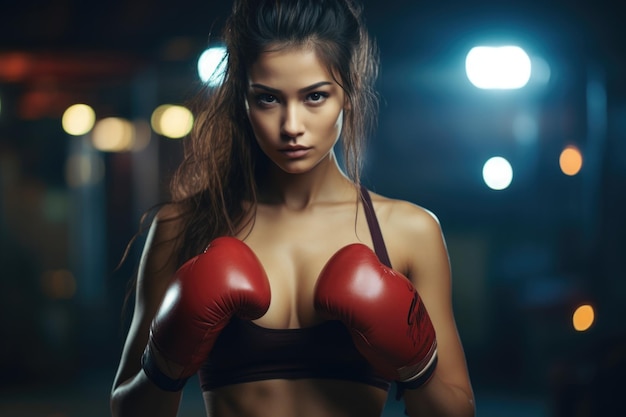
268	273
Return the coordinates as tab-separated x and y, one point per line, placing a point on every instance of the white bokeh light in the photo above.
211	65
498	67
497	173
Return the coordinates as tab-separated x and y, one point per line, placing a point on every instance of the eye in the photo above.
265	99
317	97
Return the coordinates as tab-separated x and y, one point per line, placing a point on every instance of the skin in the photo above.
293	100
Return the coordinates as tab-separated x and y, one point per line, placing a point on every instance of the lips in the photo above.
294	152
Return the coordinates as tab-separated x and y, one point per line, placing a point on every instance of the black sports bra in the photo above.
246	352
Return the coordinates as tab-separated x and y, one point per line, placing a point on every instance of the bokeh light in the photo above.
155	118
172	121
211	65
571	160
113	134
583	317
497	173
78	119
502	67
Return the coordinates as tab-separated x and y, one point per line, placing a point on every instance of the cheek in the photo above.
334	124
261	126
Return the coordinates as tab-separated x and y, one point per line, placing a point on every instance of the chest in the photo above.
293	251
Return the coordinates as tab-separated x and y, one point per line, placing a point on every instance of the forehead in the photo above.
287	68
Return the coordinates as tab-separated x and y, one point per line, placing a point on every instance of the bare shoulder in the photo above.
406	220
412	234
163	240
168	222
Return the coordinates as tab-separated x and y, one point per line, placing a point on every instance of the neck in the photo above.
324	183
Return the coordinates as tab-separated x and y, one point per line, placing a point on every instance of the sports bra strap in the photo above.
372	222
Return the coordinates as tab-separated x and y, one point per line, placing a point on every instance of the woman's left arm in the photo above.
448	393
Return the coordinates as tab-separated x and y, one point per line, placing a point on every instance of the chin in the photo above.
295	170
295	167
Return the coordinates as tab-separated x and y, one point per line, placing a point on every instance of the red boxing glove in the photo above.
226	280
384	313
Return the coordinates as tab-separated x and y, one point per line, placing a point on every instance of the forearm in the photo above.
438	399
138	396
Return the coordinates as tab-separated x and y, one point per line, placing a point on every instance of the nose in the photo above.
292	123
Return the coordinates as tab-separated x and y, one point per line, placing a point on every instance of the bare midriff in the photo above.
296	398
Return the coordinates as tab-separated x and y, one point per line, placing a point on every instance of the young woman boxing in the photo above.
289	288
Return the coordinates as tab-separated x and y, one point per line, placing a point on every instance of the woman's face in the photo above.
295	108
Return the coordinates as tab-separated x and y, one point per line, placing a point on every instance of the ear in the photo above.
347	103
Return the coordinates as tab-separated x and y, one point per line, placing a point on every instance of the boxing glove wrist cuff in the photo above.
421	379
158	378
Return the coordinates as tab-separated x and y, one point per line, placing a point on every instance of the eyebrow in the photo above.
302	90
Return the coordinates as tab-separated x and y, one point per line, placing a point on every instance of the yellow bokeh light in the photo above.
571	160
176	122
172	121
583	318
155	119
113	134
78	119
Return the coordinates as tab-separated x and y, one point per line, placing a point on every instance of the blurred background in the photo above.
506	119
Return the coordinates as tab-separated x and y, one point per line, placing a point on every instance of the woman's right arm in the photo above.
133	394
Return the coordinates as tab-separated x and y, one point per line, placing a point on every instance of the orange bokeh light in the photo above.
571	160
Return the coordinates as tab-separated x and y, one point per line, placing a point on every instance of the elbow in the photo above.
114	403
470	409
140	398
119	403
471	412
